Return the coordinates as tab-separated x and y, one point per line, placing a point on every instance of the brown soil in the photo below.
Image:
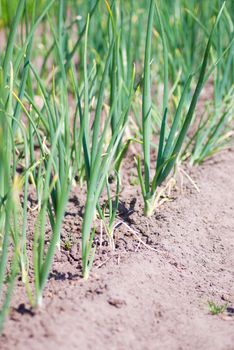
139	297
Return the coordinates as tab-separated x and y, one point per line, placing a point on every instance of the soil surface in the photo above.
153	291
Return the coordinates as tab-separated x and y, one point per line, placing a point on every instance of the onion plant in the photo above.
13	221
58	166
214	130
99	156
12	217
8	192
109	210
169	145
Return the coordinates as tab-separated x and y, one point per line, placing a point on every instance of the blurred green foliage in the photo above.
8	10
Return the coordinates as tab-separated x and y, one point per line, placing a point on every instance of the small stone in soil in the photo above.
118	303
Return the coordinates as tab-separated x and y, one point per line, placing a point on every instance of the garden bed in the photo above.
153	291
